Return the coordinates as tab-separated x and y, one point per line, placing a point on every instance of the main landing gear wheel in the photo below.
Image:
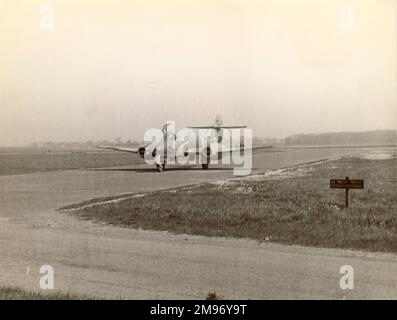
206	159
160	167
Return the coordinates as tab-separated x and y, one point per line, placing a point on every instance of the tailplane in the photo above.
217	127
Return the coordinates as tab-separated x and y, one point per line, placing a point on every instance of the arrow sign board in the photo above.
347	184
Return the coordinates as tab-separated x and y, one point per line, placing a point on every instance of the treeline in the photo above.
377	137
256	141
84	145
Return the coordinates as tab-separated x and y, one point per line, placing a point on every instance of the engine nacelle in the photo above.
141	152
150	151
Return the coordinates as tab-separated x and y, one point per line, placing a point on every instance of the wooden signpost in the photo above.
346	184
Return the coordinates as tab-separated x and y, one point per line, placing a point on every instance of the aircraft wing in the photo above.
131	150
227	150
261	148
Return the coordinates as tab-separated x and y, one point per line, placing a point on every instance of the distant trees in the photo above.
377	137
344	138
83	145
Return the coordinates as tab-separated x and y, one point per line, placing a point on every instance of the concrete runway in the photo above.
112	262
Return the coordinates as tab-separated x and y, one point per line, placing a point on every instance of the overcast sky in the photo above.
113	68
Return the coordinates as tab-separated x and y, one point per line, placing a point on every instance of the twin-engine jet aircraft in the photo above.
209	144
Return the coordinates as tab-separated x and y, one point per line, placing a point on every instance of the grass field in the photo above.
294	206
30	161
10	293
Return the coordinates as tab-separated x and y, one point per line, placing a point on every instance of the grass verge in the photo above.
25	163
11	293
295	206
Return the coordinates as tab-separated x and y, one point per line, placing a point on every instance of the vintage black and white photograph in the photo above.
199	150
